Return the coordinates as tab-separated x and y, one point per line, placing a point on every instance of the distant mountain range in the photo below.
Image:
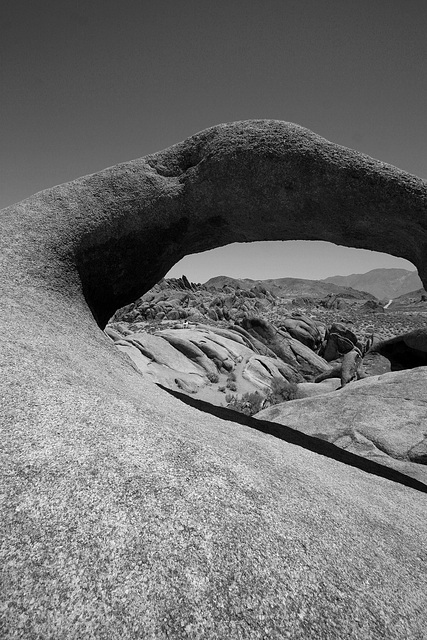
290	287
384	284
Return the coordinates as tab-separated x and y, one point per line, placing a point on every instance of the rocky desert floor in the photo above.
256	352
384	325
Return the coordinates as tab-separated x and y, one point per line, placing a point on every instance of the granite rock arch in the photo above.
122	506
124	227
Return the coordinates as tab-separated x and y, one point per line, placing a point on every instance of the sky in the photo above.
88	84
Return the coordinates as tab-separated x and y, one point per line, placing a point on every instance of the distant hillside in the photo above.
290	287
384	284
238	283
412	296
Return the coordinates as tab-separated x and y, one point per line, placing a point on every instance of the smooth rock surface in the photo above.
309	389
290	350
127	514
201	360
388	411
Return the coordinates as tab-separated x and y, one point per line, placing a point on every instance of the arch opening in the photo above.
248	181
375	292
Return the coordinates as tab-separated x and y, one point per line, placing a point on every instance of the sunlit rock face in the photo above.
129	514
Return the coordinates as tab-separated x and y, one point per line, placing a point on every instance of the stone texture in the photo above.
303	329
288	349
309	389
200	360
261	371
374	364
129	514
339	340
405	351
382	417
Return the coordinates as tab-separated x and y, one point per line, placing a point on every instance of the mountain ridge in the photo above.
289	287
382	283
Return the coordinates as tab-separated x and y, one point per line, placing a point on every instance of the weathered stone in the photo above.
161	351
127	513
291	351
113	334
374	364
309	389
189	349
339	340
388	411
262	370
212	314
254	343
405	351
303	329
187	387
418	453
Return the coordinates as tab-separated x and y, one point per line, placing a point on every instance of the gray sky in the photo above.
87	84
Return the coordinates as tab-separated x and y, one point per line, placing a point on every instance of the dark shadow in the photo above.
292	436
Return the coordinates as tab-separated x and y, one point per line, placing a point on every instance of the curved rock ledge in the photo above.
128	514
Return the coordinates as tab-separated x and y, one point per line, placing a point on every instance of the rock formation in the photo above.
129	514
381	417
304	330
405	351
339	339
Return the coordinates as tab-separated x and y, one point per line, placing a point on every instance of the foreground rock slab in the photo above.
382	418
126	514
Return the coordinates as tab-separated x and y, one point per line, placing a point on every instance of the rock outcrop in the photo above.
382	418
405	351
339	339
208	361
166	301
288	349
129	514
304	330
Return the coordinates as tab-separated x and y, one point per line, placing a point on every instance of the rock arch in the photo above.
126	513
124	227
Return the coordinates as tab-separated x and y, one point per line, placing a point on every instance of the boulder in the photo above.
405	351
261	371
286	348
373	306
113	334
303	329
309	389
253	343
339	340
210	346
382	418
163	352
173	315
375	364
333	301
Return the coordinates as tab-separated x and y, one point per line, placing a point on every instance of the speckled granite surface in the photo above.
127	514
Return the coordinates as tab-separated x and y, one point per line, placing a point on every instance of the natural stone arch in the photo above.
125	227
129	511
